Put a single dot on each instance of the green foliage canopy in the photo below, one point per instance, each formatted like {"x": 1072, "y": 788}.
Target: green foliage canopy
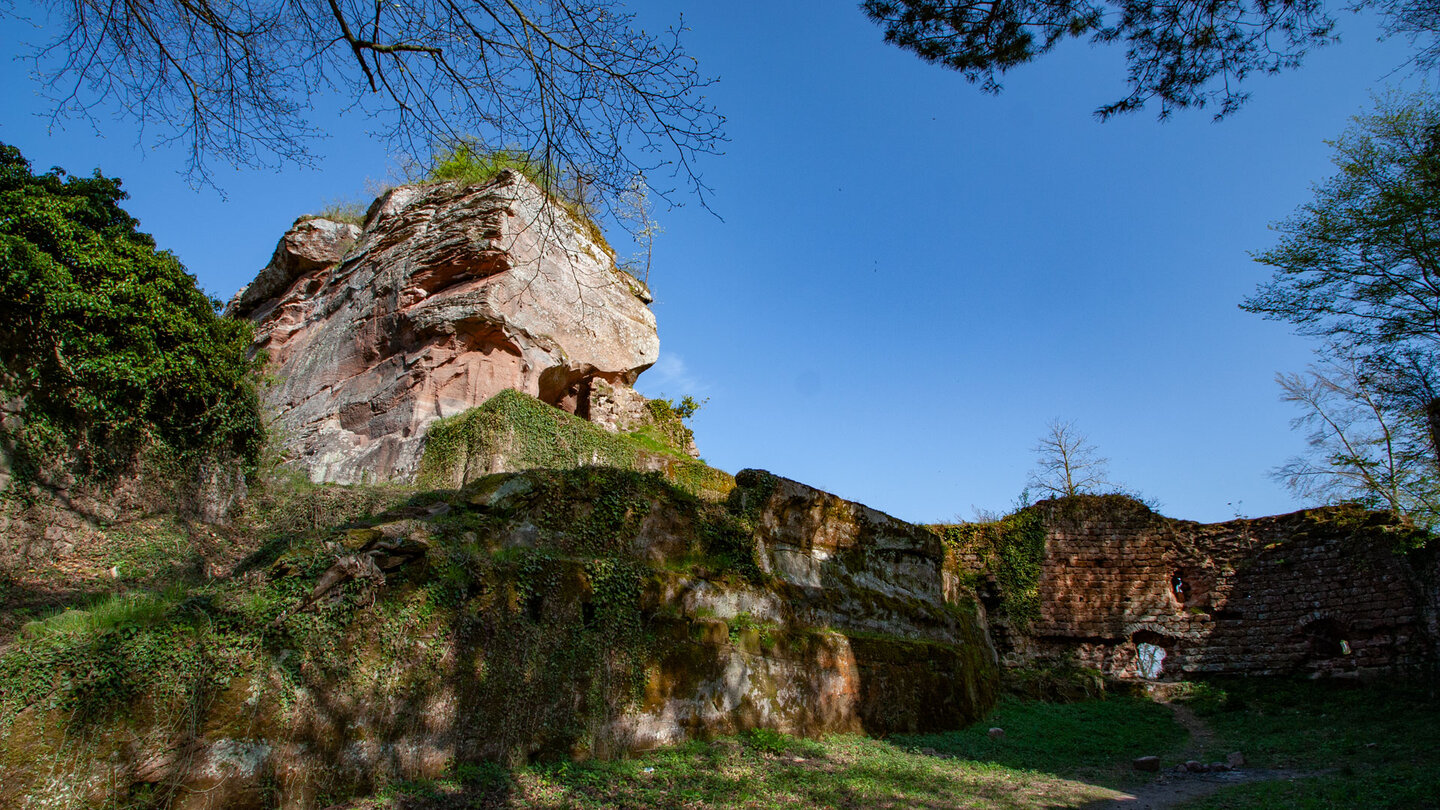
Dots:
{"x": 1360, "y": 266}
{"x": 1361, "y": 263}
{"x": 110, "y": 346}
{"x": 1182, "y": 53}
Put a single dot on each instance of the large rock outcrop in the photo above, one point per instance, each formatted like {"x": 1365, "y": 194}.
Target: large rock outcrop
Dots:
{"x": 447, "y": 295}
{"x": 545, "y": 614}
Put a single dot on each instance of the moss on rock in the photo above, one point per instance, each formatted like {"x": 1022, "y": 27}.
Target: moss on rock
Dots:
{"x": 513, "y": 431}
{"x": 542, "y": 615}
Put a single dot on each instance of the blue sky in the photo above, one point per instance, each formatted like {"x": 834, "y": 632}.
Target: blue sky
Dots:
{"x": 904, "y": 279}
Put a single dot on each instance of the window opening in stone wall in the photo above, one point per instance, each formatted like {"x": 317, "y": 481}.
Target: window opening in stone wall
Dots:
{"x": 1326, "y": 638}
{"x": 1190, "y": 589}
{"x": 1151, "y": 650}
{"x": 1179, "y": 587}
{"x": 1150, "y": 660}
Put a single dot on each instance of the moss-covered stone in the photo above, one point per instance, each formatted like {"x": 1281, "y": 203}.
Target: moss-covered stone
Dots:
{"x": 513, "y": 431}
{"x": 548, "y": 614}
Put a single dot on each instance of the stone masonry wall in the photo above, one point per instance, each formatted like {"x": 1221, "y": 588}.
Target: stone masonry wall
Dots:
{"x": 1320, "y": 592}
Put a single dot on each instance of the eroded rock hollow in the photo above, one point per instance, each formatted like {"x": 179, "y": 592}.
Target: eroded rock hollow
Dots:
{"x": 447, "y": 295}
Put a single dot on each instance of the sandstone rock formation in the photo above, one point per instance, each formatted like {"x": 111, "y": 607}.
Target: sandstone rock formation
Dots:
{"x": 546, "y": 614}
{"x": 447, "y": 295}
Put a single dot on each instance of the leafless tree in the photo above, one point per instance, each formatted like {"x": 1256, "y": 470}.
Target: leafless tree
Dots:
{"x": 1368, "y": 443}
{"x": 1067, "y": 463}
{"x": 571, "y": 82}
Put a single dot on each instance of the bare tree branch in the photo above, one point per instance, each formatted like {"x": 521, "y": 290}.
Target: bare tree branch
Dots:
{"x": 571, "y": 82}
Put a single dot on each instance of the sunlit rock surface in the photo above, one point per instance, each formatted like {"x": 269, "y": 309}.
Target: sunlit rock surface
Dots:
{"x": 447, "y": 295}
{"x": 589, "y": 612}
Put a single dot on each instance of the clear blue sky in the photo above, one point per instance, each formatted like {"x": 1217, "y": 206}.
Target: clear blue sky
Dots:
{"x": 907, "y": 278}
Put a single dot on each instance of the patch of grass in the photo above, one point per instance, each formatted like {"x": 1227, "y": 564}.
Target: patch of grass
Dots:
{"x": 1372, "y": 745}
{"x": 1093, "y": 740}
{"x": 768, "y": 769}
{"x": 110, "y": 612}
{"x": 471, "y": 164}
{"x": 351, "y": 212}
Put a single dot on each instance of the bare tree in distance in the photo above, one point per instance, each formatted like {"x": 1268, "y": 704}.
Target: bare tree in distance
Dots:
{"x": 1368, "y": 443}
{"x": 1067, "y": 463}
{"x": 573, "y": 83}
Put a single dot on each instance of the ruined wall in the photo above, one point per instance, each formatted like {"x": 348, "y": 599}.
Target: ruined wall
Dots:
{"x": 1316, "y": 592}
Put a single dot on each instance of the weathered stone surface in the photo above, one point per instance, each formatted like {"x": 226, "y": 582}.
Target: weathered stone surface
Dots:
{"x": 622, "y": 409}
{"x": 448, "y": 295}
{"x": 820, "y": 545}
{"x": 484, "y": 627}
{"x": 312, "y": 243}
{"x": 1138, "y": 595}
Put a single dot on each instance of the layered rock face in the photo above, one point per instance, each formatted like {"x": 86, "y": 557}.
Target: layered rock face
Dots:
{"x": 545, "y": 614}
{"x": 447, "y": 295}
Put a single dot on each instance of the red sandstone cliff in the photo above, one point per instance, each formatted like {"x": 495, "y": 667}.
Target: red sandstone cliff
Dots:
{"x": 447, "y": 295}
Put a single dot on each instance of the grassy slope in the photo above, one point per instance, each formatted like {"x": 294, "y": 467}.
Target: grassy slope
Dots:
{"x": 1376, "y": 745}
{"x": 150, "y": 554}
{"x": 1053, "y": 755}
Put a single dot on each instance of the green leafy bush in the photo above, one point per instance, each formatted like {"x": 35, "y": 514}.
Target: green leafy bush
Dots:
{"x": 529, "y": 434}
{"x": 468, "y": 162}
{"x": 1011, "y": 550}
{"x": 110, "y": 346}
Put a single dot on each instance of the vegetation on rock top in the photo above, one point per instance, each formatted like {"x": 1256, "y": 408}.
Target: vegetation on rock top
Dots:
{"x": 468, "y": 163}
{"x": 520, "y": 432}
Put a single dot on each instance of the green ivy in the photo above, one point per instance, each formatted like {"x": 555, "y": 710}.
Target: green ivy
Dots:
{"x": 110, "y": 345}
{"x": 1011, "y": 550}
{"x": 541, "y": 643}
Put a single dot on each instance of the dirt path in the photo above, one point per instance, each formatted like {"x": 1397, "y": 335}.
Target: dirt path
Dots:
{"x": 1172, "y": 788}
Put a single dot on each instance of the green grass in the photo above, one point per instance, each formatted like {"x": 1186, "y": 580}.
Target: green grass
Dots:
{"x": 471, "y": 164}
{"x": 1373, "y": 745}
{"x": 1093, "y": 740}
{"x": 108, "y": 613}
{"x": 1053, "y": 755}
{"x": 351, "y": 212}
{"x": 757, "y": 770}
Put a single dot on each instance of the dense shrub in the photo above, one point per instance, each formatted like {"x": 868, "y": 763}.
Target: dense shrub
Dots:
{"x": 110, "y": 348}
